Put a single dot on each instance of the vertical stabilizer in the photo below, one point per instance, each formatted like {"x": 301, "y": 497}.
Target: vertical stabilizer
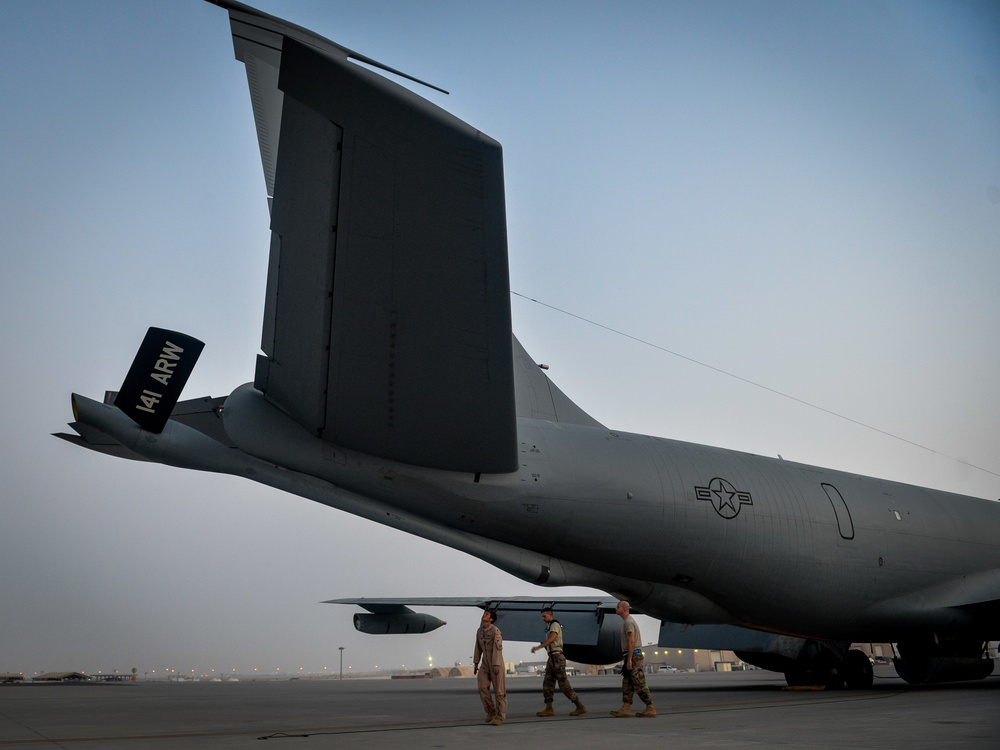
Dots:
{"x": 387, "y": 319}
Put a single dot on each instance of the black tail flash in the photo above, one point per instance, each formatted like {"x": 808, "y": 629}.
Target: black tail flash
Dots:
{"x": 157, "y": 376}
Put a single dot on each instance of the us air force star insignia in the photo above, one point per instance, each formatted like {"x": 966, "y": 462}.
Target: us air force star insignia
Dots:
{"x": 726, "y": 499}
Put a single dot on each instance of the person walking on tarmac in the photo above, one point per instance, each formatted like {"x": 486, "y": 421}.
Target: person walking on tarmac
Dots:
{"x": 555, "y": 667}
{"x": 633, "y": 669}
{"x": 489, "y": 648}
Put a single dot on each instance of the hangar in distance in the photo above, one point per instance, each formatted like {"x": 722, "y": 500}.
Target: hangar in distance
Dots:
{"x": 391, "y": 386}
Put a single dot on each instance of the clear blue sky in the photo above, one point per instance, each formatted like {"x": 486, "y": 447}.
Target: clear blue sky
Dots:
{"x": 805, "y": 194}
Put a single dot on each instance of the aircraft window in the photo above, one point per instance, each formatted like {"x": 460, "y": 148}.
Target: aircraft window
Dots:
{"x": 844, "y": 522}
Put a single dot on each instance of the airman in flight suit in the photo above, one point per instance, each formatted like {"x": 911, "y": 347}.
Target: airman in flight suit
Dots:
{"x": 489, "y": 669}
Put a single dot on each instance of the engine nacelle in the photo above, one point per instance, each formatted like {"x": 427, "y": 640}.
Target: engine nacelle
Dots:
{"x": 949, "y": 660}
{"x": 921, "y": 670}
{"x": 590, "y": 636}
{"x": 607, "y": 649}
{"x": 396, "y": 623}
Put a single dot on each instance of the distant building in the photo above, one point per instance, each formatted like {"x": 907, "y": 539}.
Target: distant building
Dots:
{"x": 709, "y": 660}
{"x": 114, "y": 677}
{"x": 61, "y": 677}
{"x": 9, "y": 677}
{"x": 456, "y": 671}
{"x": 660, "y": 659}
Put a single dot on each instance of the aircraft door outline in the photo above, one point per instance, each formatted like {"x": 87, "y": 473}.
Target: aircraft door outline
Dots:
{"x": 844, "y": 522}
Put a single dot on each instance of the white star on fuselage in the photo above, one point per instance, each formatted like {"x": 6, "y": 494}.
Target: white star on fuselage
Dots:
{"x": 724, "y": 501}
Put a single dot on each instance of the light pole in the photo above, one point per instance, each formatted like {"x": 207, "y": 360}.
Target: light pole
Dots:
{"x": 341, "y": 662}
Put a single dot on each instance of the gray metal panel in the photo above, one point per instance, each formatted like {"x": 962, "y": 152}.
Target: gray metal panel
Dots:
{"x": 391, "y": 311}
{"x": 729, "y": 637}
{"x": 205, "y": 415}
{"x": 303, "y": 221}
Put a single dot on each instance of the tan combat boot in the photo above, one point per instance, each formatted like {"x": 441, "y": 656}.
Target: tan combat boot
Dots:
{"x": 489, "y": 717}
{"x": 580, "y": 710}
{"x": 625, "y": 710}
{"x": 497, "y": 721}
{"x": 649, "y": 712}
{"x": 547, "y": 711}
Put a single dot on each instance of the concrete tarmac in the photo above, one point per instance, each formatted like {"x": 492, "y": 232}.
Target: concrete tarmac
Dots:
{"x": 708, "y": 710}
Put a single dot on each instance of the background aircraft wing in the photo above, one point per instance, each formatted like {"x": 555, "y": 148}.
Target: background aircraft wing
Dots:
{"x": 387, "y": 314}
{"x": 591, "y": 629}
{"x": 533, "y": 604}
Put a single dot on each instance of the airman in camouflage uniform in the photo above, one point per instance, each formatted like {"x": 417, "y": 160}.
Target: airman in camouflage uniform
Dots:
{"x": 633, "y": 669}
{"x": 555, "y": 667}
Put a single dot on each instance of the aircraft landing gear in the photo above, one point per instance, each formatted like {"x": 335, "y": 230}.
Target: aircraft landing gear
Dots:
{"x": 857, "y": 670}
{"x": 827, "y": 664}
{"x": 826, "y": 670}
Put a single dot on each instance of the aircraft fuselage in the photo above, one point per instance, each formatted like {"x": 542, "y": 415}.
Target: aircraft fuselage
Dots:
{"x": 680, "y": 528}
{"x": 690, "y": 533}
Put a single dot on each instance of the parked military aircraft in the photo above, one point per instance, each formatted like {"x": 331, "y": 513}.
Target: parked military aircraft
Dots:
{"x": 391, "y": 387}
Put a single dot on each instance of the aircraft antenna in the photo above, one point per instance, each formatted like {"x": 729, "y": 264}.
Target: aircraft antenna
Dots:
{"x": 755, "y": 384}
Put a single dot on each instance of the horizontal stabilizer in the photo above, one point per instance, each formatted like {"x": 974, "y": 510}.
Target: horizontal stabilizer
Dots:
{"x": 157, "y": 376}
{"x": 202, "y": 414}
{"x": 97, "y": 441}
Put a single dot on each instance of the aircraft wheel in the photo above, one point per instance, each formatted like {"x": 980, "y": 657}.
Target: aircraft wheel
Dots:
{"x": 829, "y": 671}
{"x": 857, "y": 670}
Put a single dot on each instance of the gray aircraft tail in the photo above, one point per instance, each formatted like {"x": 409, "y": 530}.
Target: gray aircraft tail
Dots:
{"x": 387, "y": 315}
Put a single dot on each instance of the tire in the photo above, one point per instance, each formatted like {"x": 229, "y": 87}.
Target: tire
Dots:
{"x": 857, "y": 670}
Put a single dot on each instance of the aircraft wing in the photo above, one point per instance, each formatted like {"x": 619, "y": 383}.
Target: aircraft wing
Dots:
{"x": 591, "y": 629}
{"x": 387, "y": 315}
{"x": 533, "y": 604}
